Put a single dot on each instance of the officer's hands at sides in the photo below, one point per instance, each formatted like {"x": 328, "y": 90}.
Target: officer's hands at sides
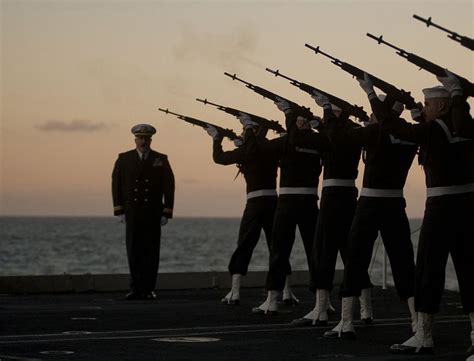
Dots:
{"x": 366, "y": 84}
{"x": 246, "y": 121}
{"x": 121, "y": 218}
{"x": 212, "y": 131}
{"x": 451, "y": 82}
{"x": 164, "y": 221}
{"x": 320, "y": 98}
{"x": 283, "y": 105}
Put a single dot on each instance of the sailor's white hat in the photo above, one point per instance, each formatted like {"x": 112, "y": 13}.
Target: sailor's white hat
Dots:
{"x": 438, "y": 91}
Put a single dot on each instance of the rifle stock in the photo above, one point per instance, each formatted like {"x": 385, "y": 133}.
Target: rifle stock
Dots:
{"x": 303, "y": 111}
{"x": 400, "y": 95}
{"x": 350, "y": 109}
{"x": 426, "y": 64}
{"x": 270, "y": 124}
{"x": 228, "y": 133}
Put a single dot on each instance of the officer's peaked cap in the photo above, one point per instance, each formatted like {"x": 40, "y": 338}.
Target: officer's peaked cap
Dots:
{"x": 143, "y": 130}
{"x": 436, "y": 92}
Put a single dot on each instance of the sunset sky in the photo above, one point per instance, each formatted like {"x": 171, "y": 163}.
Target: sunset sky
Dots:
{"x": 76, "y": 75}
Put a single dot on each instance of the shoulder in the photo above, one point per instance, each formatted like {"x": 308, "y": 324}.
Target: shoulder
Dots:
{"x": 156, "y": 154}
{"x": 127, "y": 155}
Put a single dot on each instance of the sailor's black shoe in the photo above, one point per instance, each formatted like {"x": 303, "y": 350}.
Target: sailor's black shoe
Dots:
{"x": 133, "y": 296}
{"x": 302, "y": 322}
{"x": 259, "y": 311}
{"x": 149, "y": 296}
{"x": 367, "y": 321}
{"x": 348, "y": 335}
{"x": 410, "y": 350}
{"x": 230, "y": 302}
{"x": 291, "y": 302}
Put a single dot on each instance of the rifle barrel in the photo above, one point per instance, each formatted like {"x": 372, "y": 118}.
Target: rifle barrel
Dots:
{"x": 380, "y": 40}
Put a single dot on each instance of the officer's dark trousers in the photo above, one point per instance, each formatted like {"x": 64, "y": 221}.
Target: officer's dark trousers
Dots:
{"x": 388, "y": 216}
{"x": 336, "y": 211}
{"x": 292, "y": 210}
{"x": 447, "y": 228}
{"x": 258, "y": 214}
{"x": 143, "y": 233}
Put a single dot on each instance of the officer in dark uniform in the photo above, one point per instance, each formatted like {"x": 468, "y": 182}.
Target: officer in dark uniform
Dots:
{"x": 381, "y": 207}
{"x": 297, "y": 202}
{"x": 143, "y": 196}
{"x": 337, "y": 207}
{"x": 447, "y": 154}
{"x": 260, "y": 172}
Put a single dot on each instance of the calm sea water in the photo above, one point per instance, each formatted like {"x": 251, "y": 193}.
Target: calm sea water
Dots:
{"x": 78, "y": 245}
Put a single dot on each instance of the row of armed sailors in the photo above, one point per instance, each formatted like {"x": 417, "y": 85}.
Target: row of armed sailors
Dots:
{"x": 444, "y": 141}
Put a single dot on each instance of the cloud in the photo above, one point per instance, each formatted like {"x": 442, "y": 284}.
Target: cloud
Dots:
{"x": 75, "y": 125}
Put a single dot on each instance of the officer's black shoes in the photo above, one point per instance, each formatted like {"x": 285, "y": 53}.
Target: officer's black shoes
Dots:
{"x": 410, "y": 350}
{"x": 150, "y": 296}
{"x": 259, "y": 311}
{"x": 133, "y": 295}
{"x": 302, "y": 322}
{"x": 367, "y": 321}
{"x": 345, "y": 335}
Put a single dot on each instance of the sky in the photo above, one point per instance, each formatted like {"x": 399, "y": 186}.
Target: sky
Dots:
{"x": 76, "y": 75}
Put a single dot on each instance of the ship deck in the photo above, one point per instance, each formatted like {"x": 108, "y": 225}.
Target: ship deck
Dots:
{"x": 193, "y": 325}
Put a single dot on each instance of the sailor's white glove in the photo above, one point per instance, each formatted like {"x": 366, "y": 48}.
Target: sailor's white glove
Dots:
{"x": 283, "y": 105}
{"x": 415, "y": 113}
{"x": 315, "y": 122}
{"x": 164, "y": 221}
{"x": 366, "y": 84}
{"x": 238, "y": 142}
{"x": 320, "y": 98}
{"x": 246, "y": 121}
{"x": 451, "y": 82}
{"x": 121, "y": 218}
{"x": 212, "y": 131}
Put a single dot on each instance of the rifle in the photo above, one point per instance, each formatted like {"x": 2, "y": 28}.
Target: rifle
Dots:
{"x": 303, "y": 111}
{"x": 426, "y": 64}
{"x": 269, "y": 124}
{"x": 400, "y": 95}
{"x": 229, "y": 133}
{"x": 463, "y": 40}
{"x": 350, "y": 109}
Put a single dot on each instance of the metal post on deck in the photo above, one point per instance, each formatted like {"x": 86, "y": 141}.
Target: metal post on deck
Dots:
{"x": 384, "y": 267}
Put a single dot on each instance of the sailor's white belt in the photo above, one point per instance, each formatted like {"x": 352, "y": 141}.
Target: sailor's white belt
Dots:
{"x": 443, "y": 191}
{"x": 381, "y": 193}
{"x": 261, "y": 193}
{"x": 333, "y": 182}
{"x": 298, "y": 190}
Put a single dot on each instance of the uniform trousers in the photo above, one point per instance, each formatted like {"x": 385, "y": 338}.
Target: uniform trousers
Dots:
{"x": 258, "y": 214}
{"x": 336, "y": 211}
{"x": 143, "y": 234}
{"x": 292, "y": 210}
{"x": 447, "y": 228}
{"x": 387, "y": 215}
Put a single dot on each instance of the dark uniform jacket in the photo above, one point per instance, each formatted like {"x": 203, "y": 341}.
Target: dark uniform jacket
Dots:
{"x": 147, "y": 184}
{"x": 387, "y": 159}
{"x": 299, "y": 166}
{"x": 447, "y": 145}
{"x": 341, "y": 159}
{"x": 258, "y": 168}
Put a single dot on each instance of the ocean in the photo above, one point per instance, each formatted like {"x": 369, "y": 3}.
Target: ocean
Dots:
{"x": 96, "y": 245}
